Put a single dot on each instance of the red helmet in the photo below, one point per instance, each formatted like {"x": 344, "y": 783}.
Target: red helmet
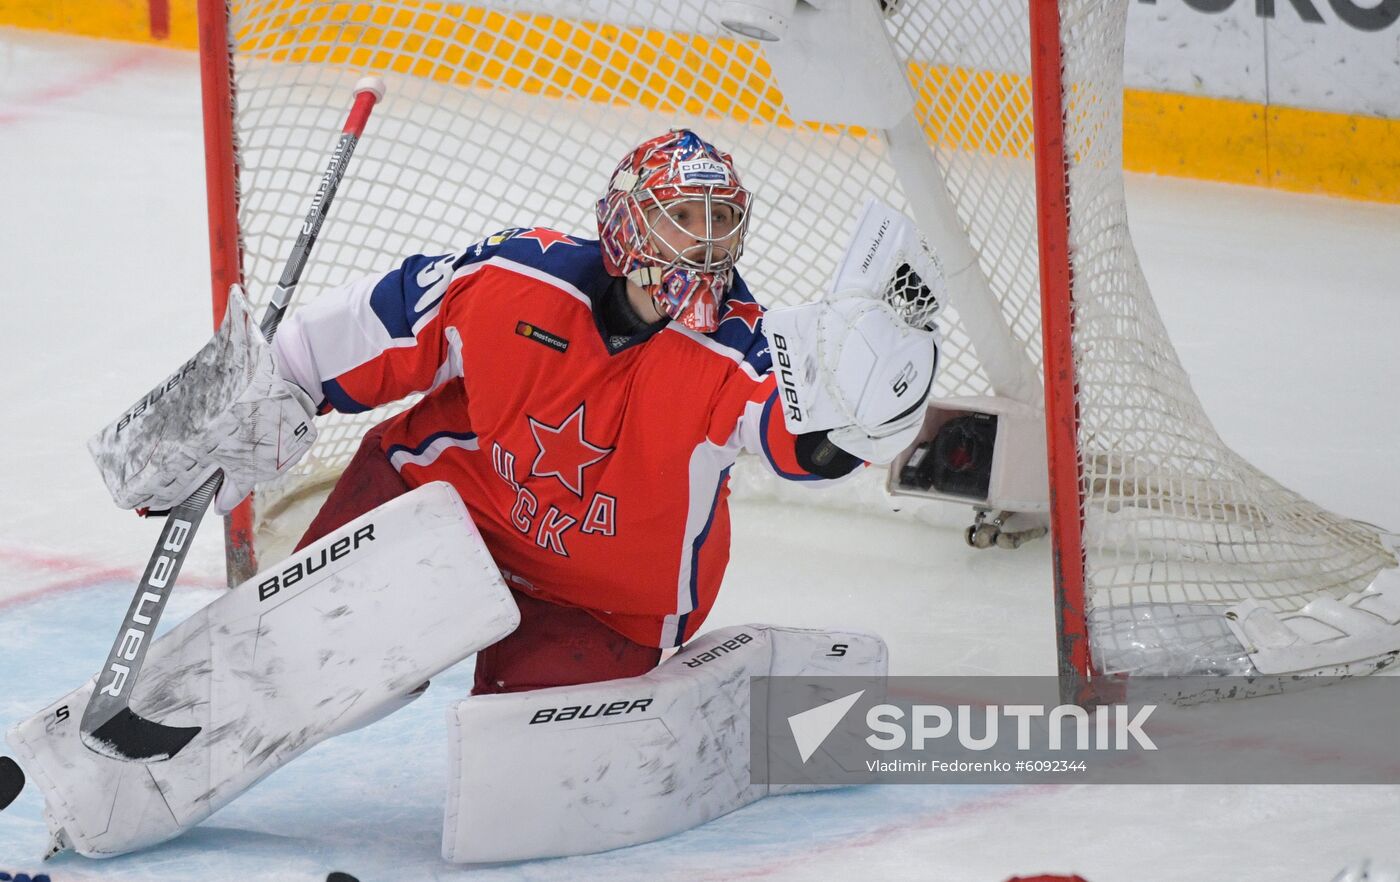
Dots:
{"x": 673, "y": 222}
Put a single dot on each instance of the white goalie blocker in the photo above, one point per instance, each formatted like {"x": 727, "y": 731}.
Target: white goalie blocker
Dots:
{"x": 335, "y": 637}
{"x": 582, "y": 769}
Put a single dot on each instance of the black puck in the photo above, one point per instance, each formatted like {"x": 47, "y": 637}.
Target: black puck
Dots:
{"x": 341, "y": 877}
{"x": 11, "y": 781}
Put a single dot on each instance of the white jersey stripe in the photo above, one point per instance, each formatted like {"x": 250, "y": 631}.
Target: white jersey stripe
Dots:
{"x": 707, "y": 465}
{"x": 336, "y": 352}
{"x": 670, "y": 627}
{"x": 400, "y": 458}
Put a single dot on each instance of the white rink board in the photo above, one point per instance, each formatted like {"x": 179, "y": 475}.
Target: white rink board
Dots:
{"x": 1342, "y": 63}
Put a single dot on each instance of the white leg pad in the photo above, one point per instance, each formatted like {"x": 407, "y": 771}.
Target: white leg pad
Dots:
{"x": 581, "y": 769}
{"x": 333, "y": 638}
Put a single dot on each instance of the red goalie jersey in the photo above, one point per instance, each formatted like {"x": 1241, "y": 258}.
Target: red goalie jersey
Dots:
{"x": 597, "y": 475}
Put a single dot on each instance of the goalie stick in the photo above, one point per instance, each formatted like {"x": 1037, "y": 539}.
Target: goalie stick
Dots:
{"x": 109, "y": 725}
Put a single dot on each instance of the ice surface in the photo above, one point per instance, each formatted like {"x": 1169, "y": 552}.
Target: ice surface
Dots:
{"x": 1285, "y": 310}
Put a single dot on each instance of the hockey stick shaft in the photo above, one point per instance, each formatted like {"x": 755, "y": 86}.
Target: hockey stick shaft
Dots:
{"x": 367, "y": 93}
{"x": 109, "y": 726}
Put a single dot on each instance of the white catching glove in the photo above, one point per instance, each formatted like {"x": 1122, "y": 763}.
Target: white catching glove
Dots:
{"x": 227, "y": 408}
{"x": 882, "y": 372}
{"x": 861, "y": 362}
{"x": 854, "y": 367}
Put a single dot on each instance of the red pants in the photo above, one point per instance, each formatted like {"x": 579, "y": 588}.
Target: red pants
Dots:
{"x": 554, "y": 645}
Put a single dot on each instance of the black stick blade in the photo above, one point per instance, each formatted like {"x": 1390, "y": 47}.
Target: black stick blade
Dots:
{"x": 11, "y": 781}
{"x": 133, "y": 738}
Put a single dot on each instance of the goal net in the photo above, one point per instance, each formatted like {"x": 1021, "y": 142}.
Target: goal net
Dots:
{"x": 502, "y": 114}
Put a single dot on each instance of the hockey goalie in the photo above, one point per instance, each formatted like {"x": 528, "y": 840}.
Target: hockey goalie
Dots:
{"x": 555, "y": 504}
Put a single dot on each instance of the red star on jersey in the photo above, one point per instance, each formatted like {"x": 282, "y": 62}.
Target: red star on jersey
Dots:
{"x": 546, "y": 238}
{"x": 748, "y": 313}
{"x": 564, "y": 453}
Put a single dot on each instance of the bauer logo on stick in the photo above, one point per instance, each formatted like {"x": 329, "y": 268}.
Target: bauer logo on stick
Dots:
{"x": 141, "y": 618}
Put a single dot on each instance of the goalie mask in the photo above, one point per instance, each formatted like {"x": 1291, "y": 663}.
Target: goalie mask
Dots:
{"x": 673, "y": 222}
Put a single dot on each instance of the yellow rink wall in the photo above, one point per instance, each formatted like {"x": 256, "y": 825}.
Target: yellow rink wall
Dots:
{"x": 1307, "y": 151}
{"x": 132, "y": 20}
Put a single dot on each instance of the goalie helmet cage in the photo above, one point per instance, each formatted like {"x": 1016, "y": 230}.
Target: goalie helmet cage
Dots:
{"x": 1171, "y": 552}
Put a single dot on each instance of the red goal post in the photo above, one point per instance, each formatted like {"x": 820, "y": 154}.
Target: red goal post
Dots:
{"x": 225, "y": 243}
{"x": 1056, "y": 298}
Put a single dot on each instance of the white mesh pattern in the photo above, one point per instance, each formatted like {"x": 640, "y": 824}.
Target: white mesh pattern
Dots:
{"x": 505, "y": 117}
{"x": 1173, "y": 517}
{"x": 973, "y": 97}
{"x": 912, "y": 299}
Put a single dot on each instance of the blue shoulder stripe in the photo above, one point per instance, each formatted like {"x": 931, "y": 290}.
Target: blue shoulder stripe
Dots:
{"x": 764, "y": 422}
{"x": 404, "y": 295}
{"x": 741, "y": 327}
{"x": 339, "y": 399}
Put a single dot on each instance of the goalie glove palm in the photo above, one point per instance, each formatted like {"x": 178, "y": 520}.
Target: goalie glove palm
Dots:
{"x": 854, "y": 367}
{"x": 860, "y": 364}
{"x": 880, "y": 370}
{"x": 227, "y": 408}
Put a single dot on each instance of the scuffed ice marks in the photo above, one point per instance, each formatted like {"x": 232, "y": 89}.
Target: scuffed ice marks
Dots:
{"x": 226, "y": 731}
{"x": 267, "y": 681}
{"x": 173, "y": 708}
{"x": 169, "y": 694}
{"x": 668, "y": 782}
{"x": 273, "y": 749}
{"x": 275, "y": 746}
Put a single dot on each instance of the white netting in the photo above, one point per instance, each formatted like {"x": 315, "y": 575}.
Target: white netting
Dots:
{"x": 515, "y": 115}
{"x": 1175, "y": 521}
